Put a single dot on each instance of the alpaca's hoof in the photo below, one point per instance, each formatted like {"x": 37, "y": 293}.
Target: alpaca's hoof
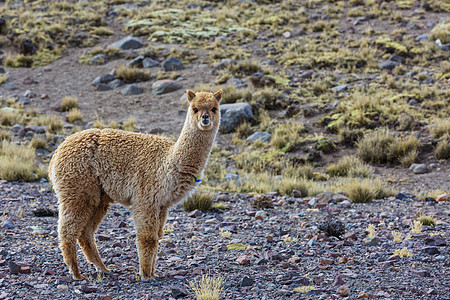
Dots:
{"x": 77, "y": 277}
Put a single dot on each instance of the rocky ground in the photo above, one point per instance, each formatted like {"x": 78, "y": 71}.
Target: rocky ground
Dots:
{"x": 261, "y": 253}
{"x": 320, "y": 59}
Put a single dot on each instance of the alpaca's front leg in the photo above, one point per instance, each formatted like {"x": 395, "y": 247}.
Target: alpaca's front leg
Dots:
{"x": 147, "y": 247}
{"x": 147, "y": 225}
{"x": 162, "y": 221}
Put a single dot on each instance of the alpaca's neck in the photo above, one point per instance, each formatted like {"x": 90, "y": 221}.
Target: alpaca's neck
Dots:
{"x": 192, "y": 149}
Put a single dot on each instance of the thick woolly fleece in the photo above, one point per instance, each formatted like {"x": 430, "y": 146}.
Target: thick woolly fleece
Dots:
{"x": 93, "y": 168}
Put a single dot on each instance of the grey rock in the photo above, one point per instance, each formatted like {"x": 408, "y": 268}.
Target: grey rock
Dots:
{"x": 231, "y": 176}
{"x": 8, "y": 224}
{"x": 224, "y": 63}
{"x": 268, "y": 62}
{"x": 421, "y": 273}
{"x": 396, "y": 58}
{"x": 259, "y": 136}
{"x": 307, "y": 74}
{"x": 29, "y": 94}
{"x": 247, "y": 281}
{"x": 165, "y": 86}
{"x": 179, "y": 292}
{"x": 132, "y": 89}
{"x": 388, "y": 65}
{"x": 17, "y": 128}
{"x": 233, "y": 115}
{"x": 103, "y": 79}
{"x": 137, "y": 62}
{"x": 423, "y": 37}
{"x": 345, "y": 204}
{"x": 24, "y": 100}
{"x": 88, "y": 289}
{"x": 9, "y": 86}
{"x": 103, "y": 87}
{"x": 431, "y": 250}
{"x": 413, "y": 102}
{"x": 340, "y": 88}
{"x": 2, "y": 70}
{"x": 238, "y": 83}
{"x": 13, "y": 267}
{"x": 172, "y": 64}
{"x": 128, "y": 43}
{"x": 221, "y": 39}
{"x": 195, "y": 214}
{"x": 99, "y": 59}
{"x": 372, "y": 241}
{"x": 149, "y": 63}
{"x": 115, "y": 83}
{"x": 296, "y": 194}
{"x": 419, "y": 168}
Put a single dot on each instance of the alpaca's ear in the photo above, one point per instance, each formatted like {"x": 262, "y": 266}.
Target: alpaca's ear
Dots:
{"x": 190, "y": 95}
{"x": 218, "y": 95}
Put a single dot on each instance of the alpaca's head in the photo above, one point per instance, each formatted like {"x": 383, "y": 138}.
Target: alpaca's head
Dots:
{"x": 204, "y": 112}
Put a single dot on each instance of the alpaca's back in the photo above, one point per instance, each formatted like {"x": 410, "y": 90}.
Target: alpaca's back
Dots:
{"x": 121, "y": 163}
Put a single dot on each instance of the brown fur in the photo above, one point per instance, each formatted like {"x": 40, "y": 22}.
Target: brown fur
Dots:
{"x": 93, "y": 168}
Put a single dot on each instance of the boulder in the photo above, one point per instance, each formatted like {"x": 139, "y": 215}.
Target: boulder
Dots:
{"x": 165, "y": 86}
{"x": 232, "y": 115}
{"x": 132, "y": 89}
{"x": 172, "y": 64}
{"x": 127, "y": 43}
{"x": 259, "y": 136}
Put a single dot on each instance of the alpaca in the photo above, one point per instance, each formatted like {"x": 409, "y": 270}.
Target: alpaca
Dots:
{"x": 93, "y": 168}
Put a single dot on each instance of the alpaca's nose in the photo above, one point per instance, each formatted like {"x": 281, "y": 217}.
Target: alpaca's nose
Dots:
{"x": 205, "y": 116}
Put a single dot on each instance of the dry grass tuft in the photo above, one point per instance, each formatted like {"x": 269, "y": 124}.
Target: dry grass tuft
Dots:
{"x": 443, "y": 149}
{"x": 68, "y": 103}
{"x": 207, "y": 288}
{"x": 286, "y": 136}
{"x": 18, "y": 162}
{"x": 427, "y": 220}
{"x": 131, "y": 75}
{"x": 74, "y": 115}
{"x": 350, "y": 166}
{"x": 199, "y": 200}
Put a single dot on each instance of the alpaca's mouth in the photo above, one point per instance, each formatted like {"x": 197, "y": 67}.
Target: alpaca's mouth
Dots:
{"x": 204, "y": 124}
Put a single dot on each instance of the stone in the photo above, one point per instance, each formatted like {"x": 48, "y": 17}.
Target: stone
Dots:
{"x": 435, "y": 240}
{"x": 224, "y": 63}
{"x": 149, "y": 63}
{"x": 115, "y": 83}
{"x": 62, "y": 287}
{"x": 260, "y": 136}
{"x": 338, "y": 281}
{"x": 287, "y": 34}
{"x": 259, "y": 80}
{"x": 443, "y": 197}
{"x": 343, "y": 291}
{"x": 243, "y": 260}
{"x": 296, "y": 194}
{"x": 231, "y": 176}
{"x": 339, "y": 88}
{"x": 128, "y": 43}
{"x": 8, "y": 224}
{"x": 132, "y": 89}
{"x": 247, "y": 281}
{"x": 103, "y": 87}
{"x": 29, "y": 94}
{"x": 2, "y": 70}
{"x": 165, "y": 86}
{"x": 423, "y": 37}
{"x": 99, "y": 59}
{"x": 388, "y": 65}
{"x": 419, "y": 168}
{"x": 431, "y": 250}
{"x": 396, "y": 58}
{"x": 9, "y": 86}
{"x": 421, "y": 273}
{"x": 238, "y": 83}
{"x": 172, "y": 64}
{"x": 195, "y": 214}
{"x": 137, "y": 62}
{"x": 88, "y": 288}
{"x": 13, "y": 268}
{"x": 372, "y": 241}
{"x": 232, "y": 115}
{"x": 179, "y": 292}
{"x": 307, "y": 74}
{"x": 17, "y": 128}
{"x": 260, "y": 215}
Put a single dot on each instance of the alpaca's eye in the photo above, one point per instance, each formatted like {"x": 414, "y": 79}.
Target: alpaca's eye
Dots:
{"x": 214, "y": 110}
{"x": 195, "y": 110}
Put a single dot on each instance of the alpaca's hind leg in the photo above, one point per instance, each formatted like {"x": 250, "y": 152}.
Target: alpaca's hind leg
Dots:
{"x": 72, "y": 220}
{"x": 162, "y": 221}
{"x": 147, "y": 235}
{"x": 87, "y": 241}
